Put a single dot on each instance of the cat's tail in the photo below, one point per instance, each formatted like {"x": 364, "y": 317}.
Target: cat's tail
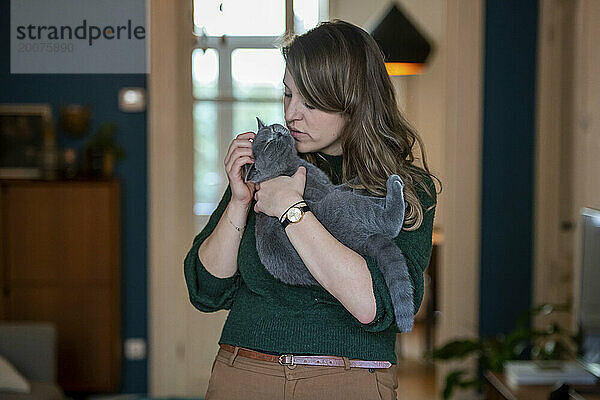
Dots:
{"x": 395, "y": 205}
{"x": 392, "y": 264}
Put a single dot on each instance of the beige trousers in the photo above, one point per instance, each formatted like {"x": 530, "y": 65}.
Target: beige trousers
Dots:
{"x": 234, "y": 377}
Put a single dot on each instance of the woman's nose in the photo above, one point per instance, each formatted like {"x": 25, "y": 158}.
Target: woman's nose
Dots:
{"x": 292, "y": 111}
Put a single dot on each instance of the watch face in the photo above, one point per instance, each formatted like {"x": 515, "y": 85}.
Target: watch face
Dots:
{"x": 294, "y": 214}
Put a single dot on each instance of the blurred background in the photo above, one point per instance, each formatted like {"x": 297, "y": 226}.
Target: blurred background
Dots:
{"x": 111, "y": 163}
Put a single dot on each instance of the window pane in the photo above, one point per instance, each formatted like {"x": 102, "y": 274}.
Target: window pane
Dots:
{"x": 239, "y": 17}
{"x": 209, "y": 177}
{"x": 207, "y": 181}
{"x": 257, "y": 73}
{"x": 244, "y": 115}
{"x": 205, "y": 73}
{"x": 306, "y": 15}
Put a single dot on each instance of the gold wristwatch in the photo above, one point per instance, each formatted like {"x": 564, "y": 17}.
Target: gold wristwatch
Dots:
{"x": 294, "y": 214}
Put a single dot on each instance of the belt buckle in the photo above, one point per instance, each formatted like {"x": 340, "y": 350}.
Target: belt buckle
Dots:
{"x": 282, "y": 362}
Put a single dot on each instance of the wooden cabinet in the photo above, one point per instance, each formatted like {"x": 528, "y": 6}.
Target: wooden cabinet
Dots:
{"x": 60, "y": 257}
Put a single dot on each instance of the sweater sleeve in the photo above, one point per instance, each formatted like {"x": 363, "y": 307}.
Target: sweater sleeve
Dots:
{"x": 207, "y": 292}
{"x": 416, "y": 246}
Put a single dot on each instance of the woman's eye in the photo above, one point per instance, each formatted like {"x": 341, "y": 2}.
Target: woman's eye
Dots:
{"x": 289, "y": 95}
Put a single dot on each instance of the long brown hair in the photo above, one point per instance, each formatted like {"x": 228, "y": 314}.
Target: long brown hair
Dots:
{"x": 338, "y": 67}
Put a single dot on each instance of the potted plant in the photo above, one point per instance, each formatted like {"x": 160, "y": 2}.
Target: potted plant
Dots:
{"x": 102, "y": 151}
{"x": 552, "y": 343}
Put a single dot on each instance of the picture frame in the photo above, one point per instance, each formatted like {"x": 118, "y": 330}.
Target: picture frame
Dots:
{"x": 26, "y": 133}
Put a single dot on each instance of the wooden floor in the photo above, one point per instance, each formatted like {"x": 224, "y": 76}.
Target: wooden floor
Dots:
{"x": 416, "y": 377}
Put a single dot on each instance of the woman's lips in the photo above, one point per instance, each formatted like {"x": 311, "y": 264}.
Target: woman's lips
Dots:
{"x": 296, "y": 133}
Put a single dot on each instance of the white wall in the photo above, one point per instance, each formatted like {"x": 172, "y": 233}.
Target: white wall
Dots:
{"x": 586, "y": 124}
{"x": 459, "y": 269}
{"x": 171, "y": 229}
{"x": 567, "y": 147}
{"x": 586, "y": 117}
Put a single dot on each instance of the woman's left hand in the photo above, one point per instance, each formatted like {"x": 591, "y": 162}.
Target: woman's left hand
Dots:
{"x": 275, "y": 196}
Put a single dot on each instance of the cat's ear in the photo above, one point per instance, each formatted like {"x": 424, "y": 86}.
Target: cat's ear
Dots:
{"x": 260, "y": 123}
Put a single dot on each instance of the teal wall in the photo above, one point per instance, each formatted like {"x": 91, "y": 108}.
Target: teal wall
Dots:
{"x": 101, "y": 91}
{"x": 508, "y": 163}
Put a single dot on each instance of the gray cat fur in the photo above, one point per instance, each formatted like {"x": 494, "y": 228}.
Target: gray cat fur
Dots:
{"x": 365, "y": 224}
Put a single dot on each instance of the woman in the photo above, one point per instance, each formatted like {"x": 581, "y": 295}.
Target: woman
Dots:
{"x": 341, "y": 109}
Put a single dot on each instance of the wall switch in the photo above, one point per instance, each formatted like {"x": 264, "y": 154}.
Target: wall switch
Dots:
{"x": 135, "y": 349}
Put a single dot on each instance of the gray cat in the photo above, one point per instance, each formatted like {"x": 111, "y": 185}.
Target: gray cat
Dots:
{"x": 364, "y": 223}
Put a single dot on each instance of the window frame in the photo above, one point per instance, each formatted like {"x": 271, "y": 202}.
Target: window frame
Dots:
{"x": 225, "y": 45}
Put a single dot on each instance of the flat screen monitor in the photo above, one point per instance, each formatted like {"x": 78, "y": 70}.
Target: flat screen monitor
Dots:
{"x": 587, "y": 289}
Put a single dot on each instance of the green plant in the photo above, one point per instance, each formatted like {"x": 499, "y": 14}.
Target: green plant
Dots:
{"x": 552, "y": 343}
{"x": 103, "y": 141}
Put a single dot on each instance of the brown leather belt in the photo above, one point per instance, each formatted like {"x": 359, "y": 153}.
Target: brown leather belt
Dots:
{"x": 288, "y": 359}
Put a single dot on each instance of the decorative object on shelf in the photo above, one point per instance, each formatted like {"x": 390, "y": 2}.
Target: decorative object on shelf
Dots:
{"x": 552, "y": 343}
{"x": 75, "y": 119}
{"x": 404, "y": 46}
{"x": 102, "y": 152}
{"x": 69, "y": 163}
{"x": 27, "y": 141}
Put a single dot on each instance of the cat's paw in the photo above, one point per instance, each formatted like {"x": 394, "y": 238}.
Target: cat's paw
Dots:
{"x": 395, "y": 180}
{"x": 395, "y": 187}
{"x": 395, "y": 190}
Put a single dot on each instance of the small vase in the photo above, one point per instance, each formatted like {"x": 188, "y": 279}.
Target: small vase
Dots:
{"x": 108, "y": 165}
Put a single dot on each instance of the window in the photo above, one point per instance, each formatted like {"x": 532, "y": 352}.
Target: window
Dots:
{"x": 239, "y": 17}
{"x": 237, "y": 75}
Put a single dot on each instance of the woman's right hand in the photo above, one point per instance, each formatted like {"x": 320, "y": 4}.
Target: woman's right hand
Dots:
{"x": 239, "y": 154}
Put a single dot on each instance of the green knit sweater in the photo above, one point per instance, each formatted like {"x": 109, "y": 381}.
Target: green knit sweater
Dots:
{"x": 268, "y": 315}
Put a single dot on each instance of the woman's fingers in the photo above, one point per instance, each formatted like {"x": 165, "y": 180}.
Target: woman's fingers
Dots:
{"x": 246, "y": 135}
{"x": 235, "y": 155}
{"x": 241, "y": 140}
{"x": 239, "y": 154}
{"x": 235, "y": 168}
{"x": 240, "y": 190}
{"x": 236, "y": 151}
{"x": 300, "y": 171}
